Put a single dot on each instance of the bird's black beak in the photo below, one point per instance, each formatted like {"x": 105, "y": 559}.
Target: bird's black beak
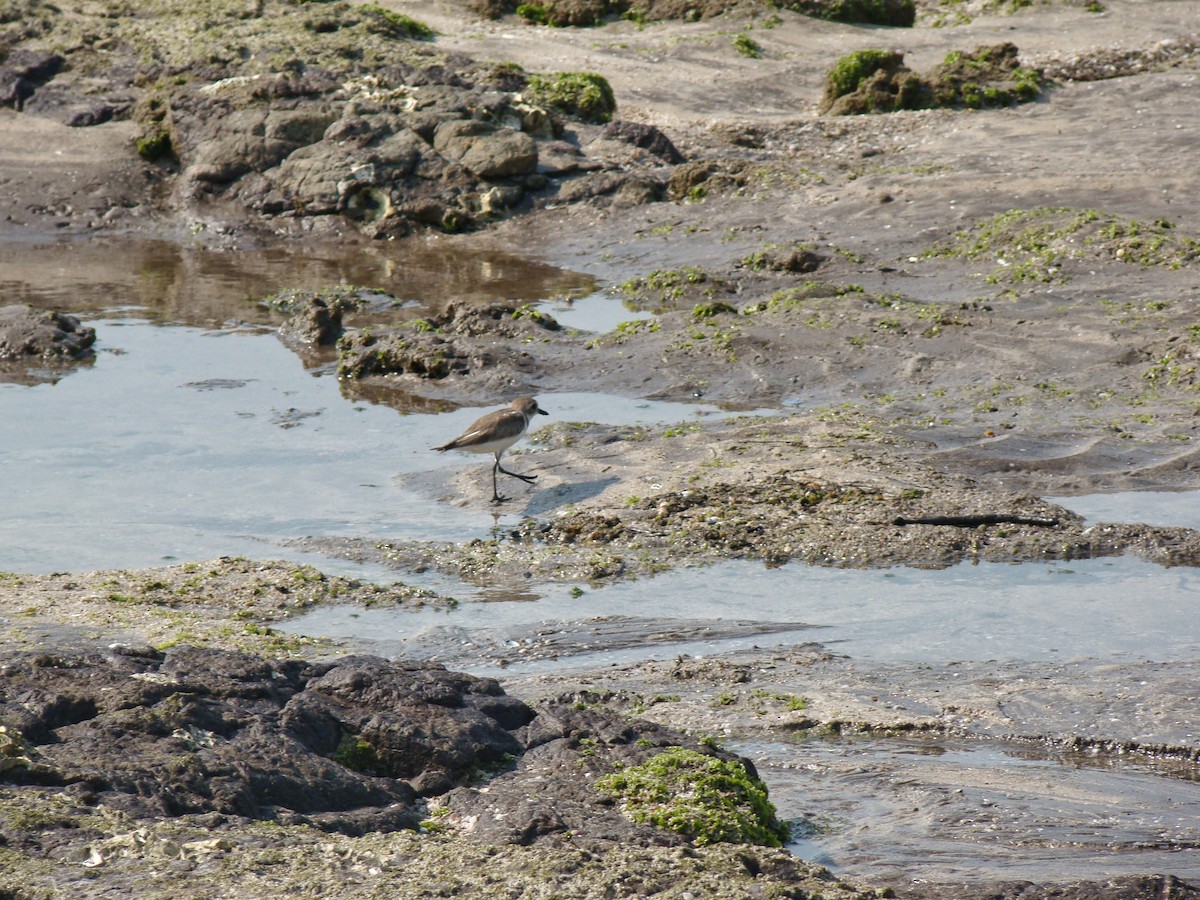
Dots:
{"x": 542, "y": 412}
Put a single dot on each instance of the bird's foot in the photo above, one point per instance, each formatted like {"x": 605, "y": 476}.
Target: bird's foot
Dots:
{"x": 498, "y": 499}
{"x": 528, "y": 479}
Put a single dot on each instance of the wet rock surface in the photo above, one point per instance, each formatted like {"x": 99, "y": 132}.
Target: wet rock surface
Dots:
{"x": 30, "y": 334}
{"x": 348, "y": 746}
{"x": 37, "y": 346}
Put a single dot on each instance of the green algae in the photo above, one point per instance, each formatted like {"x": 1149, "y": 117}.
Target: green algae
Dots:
{"x": 357, "y": 754}
{"x": 583, "y": 94}
{"x": 1032, "y": 245}
{"x": 666, "y": 288}
{"x": 854, "y": 68}
{"x": 710, "y": 800}
{"x": 874, "y": 80}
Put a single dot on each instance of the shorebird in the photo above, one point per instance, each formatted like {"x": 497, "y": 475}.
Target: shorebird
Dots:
{"x": 495, "y": 433}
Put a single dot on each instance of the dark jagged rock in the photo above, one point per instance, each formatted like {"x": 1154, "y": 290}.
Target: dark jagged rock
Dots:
{"x": 350, "y": 746}
{"x": 646, "y": 137}
{"x": 23, "y": 72}
{"x": 568, "y": 746}
{"x": 347, "y": 746}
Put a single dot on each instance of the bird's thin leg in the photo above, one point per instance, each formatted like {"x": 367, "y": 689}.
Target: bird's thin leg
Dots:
{"x": 528, "y": 479}
{"x": 496, "y": 498}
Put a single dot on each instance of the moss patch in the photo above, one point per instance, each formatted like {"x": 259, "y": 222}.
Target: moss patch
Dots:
{"x": 708, "y": 799}
{"x": 1032, "y": 245}
{"x": 584, "y": 94}
{"x": 869, "y": 81}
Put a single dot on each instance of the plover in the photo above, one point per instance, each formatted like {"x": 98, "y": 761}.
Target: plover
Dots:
{"x": 495, "y": 433}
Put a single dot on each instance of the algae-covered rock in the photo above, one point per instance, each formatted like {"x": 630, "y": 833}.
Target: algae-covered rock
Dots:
{"x": 991, "y": 76}
{"x": 897, "y": 13}
{"x": 709, "y": 800}
{"x": 588, "y": 766}
{"x": 365, "y": 353}
{"x": 870, "y": 81}
{"x": 583, "y": 94}
{"x": 317, "y": 323}
{"x": 560, "y": 13}
{"x": 585, "y": 13}
{"x": 457, "y": 341}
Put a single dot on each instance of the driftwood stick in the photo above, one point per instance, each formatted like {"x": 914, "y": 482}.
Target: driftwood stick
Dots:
{"x": 973, "y": 521}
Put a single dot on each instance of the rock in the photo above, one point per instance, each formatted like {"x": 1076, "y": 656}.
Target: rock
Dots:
{"x": 318, "y": 323}
{"x": 487, "y": 151}
{"x": 23, "y": 72}
{"x": 989, "y": 76}
{"x": 646, "y": 137}
{"x": 871, "y": 81}
{"x": 892, "y": 13}
{"x": 93, "y": 114}
{"x": 552, "y": 788}
{"x": 491, "y": 9}
{"x": 254, "y": 140}
{"x": 561, "y": 13}
{"x": 346, "y": 746}
{"x": 362, "y": 354}
{"x": 878, "y": 81}
{"x": 799, "y": 261}
{"x": 491, "y": 320}
{"x": 331, "y": 176}
{"x": 28, "y": 333}
{"x": 707, "y": 174}
{"x": 619, "y": 189}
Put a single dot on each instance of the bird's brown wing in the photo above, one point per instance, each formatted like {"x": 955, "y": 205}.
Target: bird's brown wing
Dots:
{"x": 501, "y": 425}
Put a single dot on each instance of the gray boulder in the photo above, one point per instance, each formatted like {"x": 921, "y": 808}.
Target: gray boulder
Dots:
{"x": 487, "y": 151}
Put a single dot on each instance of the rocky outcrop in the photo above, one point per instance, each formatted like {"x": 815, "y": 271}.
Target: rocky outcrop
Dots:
{"x": 870, "y": 81}
{"x": 318, "y": 323}
{"x": 346, "y": 746}
{"x": 23, "y": 72}
{"x": 359, "y": 120}
{"x": 458, "y": 341}
{"x": 351, "y": 746}
{"x": 35, "y": 336}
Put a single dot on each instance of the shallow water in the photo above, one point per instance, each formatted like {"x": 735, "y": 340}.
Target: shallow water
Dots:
{"x": 989, "y": 611}
{"x": 1163, "y": 508}
{"x": 941, "y": 810}
{"x": 183, "y": 444}
{"x": 935, "y": 809}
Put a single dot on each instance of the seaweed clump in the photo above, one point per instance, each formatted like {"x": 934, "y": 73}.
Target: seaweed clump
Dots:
{"x": 707, "y": 799}
{"x": 583, "y": 94}
{"x": 869, "y": 81}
